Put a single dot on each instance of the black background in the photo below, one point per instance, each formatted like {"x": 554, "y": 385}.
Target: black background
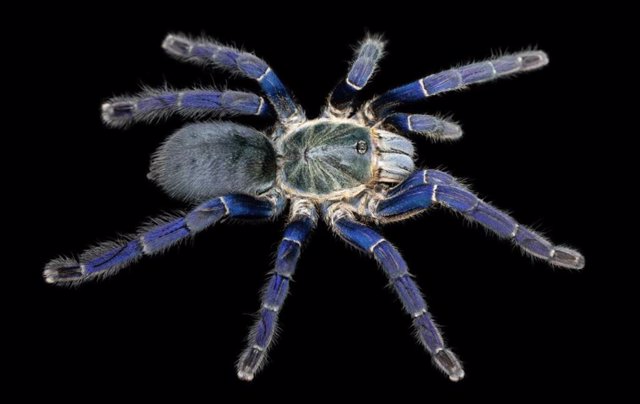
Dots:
{"x": 173, "y": 325}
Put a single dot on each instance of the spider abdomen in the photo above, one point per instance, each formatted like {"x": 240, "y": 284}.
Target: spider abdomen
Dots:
{"x": 204, "y": 160}
{"x": 324, "y": 158}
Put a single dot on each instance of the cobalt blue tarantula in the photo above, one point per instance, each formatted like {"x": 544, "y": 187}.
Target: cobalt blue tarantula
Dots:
{"x": 352, "y": 166}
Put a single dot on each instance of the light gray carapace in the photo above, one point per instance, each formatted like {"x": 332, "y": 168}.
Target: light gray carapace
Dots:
{"x": 352, "y": 166}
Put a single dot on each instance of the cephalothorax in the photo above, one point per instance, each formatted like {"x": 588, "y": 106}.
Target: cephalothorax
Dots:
{"x": 329, "y": 159}
{"x": 352, "y": 166}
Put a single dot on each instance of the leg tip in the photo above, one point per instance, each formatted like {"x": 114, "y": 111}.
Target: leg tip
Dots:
{"x": 106, "y": 110}
{"x": 62, "y": 270}
{"x": 567, "y": 258}
{"x": 50, "y": 276}
{"x": 245, "y": 375}
{"x": 176, "y": 46}
{"x": 534, "y": 60}
{"x": 250, "y": 362}
{"x": 459, "y": 375}
{"x": 372, "y": 47}
{"x": 446, "y": 361}
{"x": 118, "y": 112}
{"x": 451, "y": 131}
{"x": 168, "y": 41}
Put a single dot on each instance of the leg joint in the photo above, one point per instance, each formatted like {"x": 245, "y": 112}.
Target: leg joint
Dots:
{"x": 271, "y": 307}
{"x": 376, "y": 244}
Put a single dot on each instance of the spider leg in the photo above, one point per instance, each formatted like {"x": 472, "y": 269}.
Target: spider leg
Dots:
{"x": 236, "y": 61}
{"x": 369, "y": 52}
{"x": 415, "y": 198}
{"x": 455, "y": 79}
{"x": 394, "y": 266}
{"x": 152, "y": 104}
{"x": 302, "y": 221}
{"x": 428, "y": 176}
{"x": 435, "y": 128}
{"x": 108, "y": 258}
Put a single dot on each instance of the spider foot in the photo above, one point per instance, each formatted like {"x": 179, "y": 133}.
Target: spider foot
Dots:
{"x": 250, "y": 362}
{"x": 448, "y": 363}
{"x": 566, "y": 257}
{"x": 533, "y": 60}
{"x": 177, "y": 46}
{"x": 118, "y": 111}
{"x": 245, "y": 375}
{"x": 62, "y": 270}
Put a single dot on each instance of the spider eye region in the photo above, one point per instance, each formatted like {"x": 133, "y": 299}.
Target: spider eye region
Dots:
{"x": 325, "y": 158}
{"x": 362, "y": 147}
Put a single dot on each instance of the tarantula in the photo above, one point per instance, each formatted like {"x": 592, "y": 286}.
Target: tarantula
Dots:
{"x": 352, "y": 166}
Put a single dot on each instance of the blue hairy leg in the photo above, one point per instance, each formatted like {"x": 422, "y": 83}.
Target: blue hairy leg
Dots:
{"x": 360, "y": 71}
{"x": 274, "y": 294}
{"x": 428, "y": 176}
{"x": 412, "y": 198}
{"x": 394, "y": 266}
{"x": 455, "y": 79}
{"x": 154, "y": 104}
{"x": 107, "y": 258}
{"x": 427, "y": 125}
{"x": 236, "y": 61}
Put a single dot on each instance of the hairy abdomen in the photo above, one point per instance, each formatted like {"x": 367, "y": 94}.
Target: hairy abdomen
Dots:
{"x": 204, "y": 160}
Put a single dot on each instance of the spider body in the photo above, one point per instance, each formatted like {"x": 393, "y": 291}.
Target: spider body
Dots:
{"x": 204, "y": 160}
{"x": 323, "y": 159}
{"x": 328, "y": 159}
{"x": 353, "y": 167}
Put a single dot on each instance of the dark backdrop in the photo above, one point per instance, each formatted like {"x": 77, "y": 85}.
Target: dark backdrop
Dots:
{"x": 173, "y": 325}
